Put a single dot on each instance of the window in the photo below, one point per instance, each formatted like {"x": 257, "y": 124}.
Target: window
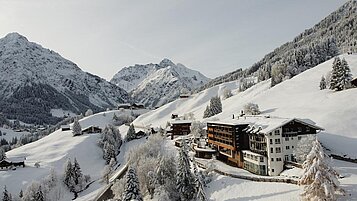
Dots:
{"x": 261, "y": 159}
{"x": 278, "y": 150}
{"x": 286, "y": 157}
{"x": 292, "y": 138}
{"x": 272, "y": 170}
{"x": 277, "y": 132}
{"x": 270, "y": 134}
{"x": 299, "y": 138}
{"x": 287, "y": 147}
{"x": 287, "y": 139}
{"x": 277, "y": 141}
{"x": 272, "y": 159}
{"x": 292, "y": 147}
{"x": 278, "y": 159}
{"x": 271, "y": 141}
{"x": 271, "y": 150}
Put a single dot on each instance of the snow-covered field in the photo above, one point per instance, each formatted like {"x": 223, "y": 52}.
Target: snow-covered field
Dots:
{"x": 11, "y": 133}
{"x": 298, "y": 97}
{"x": 53, "y": 150}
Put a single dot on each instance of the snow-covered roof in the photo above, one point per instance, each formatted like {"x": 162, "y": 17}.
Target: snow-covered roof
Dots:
{"x": 266, "y": 124}
{"x": 181, "y": 122}
{"x": 90, "y": 127}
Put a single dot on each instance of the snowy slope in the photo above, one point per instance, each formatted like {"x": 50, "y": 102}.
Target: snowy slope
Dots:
{"x": 53, "y": 150}
{"x": 35, "y": 80}
{"x": 298, "y": 97}
{"x": 157, "y": 84}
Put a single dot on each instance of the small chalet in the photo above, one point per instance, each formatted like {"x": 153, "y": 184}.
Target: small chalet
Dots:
{"x": 180, "y": 127}
{"x": 91, "y": 129}
{"x": 354, "y": 82}
{"x": 124, "y": 106}
{"x": 174, "y": 116}
{"x": 6, "y": 164}
{"x": 65, "y": 128}
{"x": 136, "y": 106}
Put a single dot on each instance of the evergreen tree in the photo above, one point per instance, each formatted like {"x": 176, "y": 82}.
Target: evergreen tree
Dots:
{"x": 199, "y": 184}
{"x": 184, "y": 178}
{"x": 320, "y": 180}
{"x": 76, "y": 128}
{"x": 207, "y": 112}
{"x": 2, "y": 154}
{"x": 336, "y": 74}
{"x": 131, "y": 134}
{"x": 323, "y": 83}
{"x": 39, "y": 194}
{"x": 68, "y": 179}
{"x": 132, "y": 190}
{"x": 21, "y": 194}
{"x": 346, "y": 74}
{"x": 77, "y": 173}
{"x": 6, "y": 196}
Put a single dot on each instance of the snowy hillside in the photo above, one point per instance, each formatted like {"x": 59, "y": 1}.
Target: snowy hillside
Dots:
{"x": 153, "y": 84}
{"x": 35, "y": 80}
{"x": 298, "y": 97}
{"x": 53, "y": 150}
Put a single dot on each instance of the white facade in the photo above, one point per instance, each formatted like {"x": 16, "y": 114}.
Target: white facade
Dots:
{"x": 275, "y": 152}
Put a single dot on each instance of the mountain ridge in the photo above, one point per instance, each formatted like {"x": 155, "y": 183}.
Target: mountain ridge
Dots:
{"x": 45, "y": 73}
{"x": 153, "y": 84}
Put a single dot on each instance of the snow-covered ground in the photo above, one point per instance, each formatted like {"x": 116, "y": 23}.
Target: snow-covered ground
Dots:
{"x": 298, "y": 97}
{"x": 8, "y": 134}
{"x": 53, "y": 150}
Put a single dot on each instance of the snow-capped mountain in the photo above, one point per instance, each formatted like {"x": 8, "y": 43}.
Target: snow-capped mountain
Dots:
{"x": 34, "y": 80}
{"x": 157, "y": 84}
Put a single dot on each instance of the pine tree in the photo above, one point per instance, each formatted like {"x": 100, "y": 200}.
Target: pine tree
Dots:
{"x": 21, "y": 194}
{"x": 2, "y": 154}
{"x": 199, "y": 185}
{"x": 323, "y": 83}
{"x": 6, "y": 195}
{"x": 68, "y": 179}
{"x": 184, "y": 178}
{"x": 320, "y": 180}
{"x": 336, "y": 75}
{"x": 77, "y": 172}
{"x": 39, "y": 194}
{"x": 207, "y": 112}
{"x": 346, "y": 74}
{"x": 131, "y": 134}
{"x": 76, "y": 128}
{"x": 132, "y": 190}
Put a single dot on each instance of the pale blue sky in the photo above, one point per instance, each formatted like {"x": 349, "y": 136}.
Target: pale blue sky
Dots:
{"x": 212, "y": 36}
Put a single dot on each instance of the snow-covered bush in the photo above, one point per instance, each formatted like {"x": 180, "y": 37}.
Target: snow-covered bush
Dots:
{"x": 227, "y": 93}
{"x": 320, "y": 180}
{"x": 108, "y": 170}
{"x": 303, "y": 148}
{"x": 110, "y": 142}
{"x": 37, "y": 164}
{"x": 251, "y": 108}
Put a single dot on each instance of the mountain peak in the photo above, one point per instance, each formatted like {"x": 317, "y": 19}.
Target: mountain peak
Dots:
{"x": 14, "y": 36}
{"x": 166, "y": 62}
